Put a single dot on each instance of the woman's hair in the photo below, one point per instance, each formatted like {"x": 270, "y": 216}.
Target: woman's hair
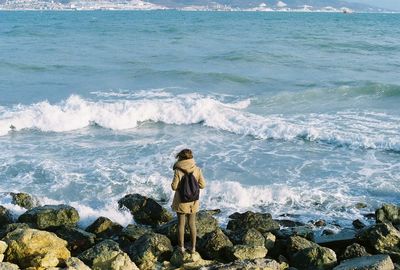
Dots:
{"x": 184, "y": 154}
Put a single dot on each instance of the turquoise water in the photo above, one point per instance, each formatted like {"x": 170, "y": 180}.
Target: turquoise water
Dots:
{"x": 288, "y": 113}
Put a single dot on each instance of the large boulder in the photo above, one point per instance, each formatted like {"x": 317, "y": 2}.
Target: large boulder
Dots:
{"x": 145, "y": 210}
{"x": 78, "y": 240}
{"x": 149, "y": 249}
{"x": 337, "y": 241}
{"x": 205, "y": 223}
{"x": 215, "y": 245}
{"x": 24, "y": 200}
{"x": 388, "y": 213}
{"x": 248, "y": 252}
{"x": 382, "y": 238}
{"x": 376, "y": 262}
{"x": 5, "y": 216}
{"x": 8, "y": 266}
{"x": 107, "y": 255}
{"x": 48, "y": 216}
{"x": 188, "y": 261}
{"x": 104, "y": 227}
{"x": 248, "y": 220}
{"x": 304, "y": 254}
{"x": 30, "y": 247}
{"x": 246, "y": 237}
{"x": 353, "y": 251}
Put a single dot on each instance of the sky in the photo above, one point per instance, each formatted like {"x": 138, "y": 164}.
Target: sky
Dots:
{"x": 390, "y": 4}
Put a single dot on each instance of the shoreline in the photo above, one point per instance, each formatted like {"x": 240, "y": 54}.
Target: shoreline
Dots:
{"x": 250, "y": 239}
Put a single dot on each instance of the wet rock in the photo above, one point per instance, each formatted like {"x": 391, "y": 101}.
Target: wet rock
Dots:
{"x": 24, "y": 200}
{"x": 320, "y": 223}
{"x": 338, "y": 240}
{"x": 388, "y": 213}
{"x": 305, "y": 254}
{"x": 78, "y": 240}
{"x": 133, "y": 232}
{"x": 305, "y": 231}
{"x": 270, "y": 239}
{"x": 289, "y": 223}
{"x": 188, "y": 261}
{"x": 382, "y": 238}
{"x": 257, "y": 264}
{"x": 103, "y": 227}
{"x": 247, "y": 252}
{"x": 376, "y": 262}
{"x": 205, "y": 223}
{"x": 358, "y": 224}
{"x": 49, "y": 216}
{"x": 145, "y": 210}
{"x": 149, "y": 249}
{"x": 8, "y": 266}
{"x": 74, "y": 263}
{"x": 360, "y": 205}
{"x": 353, "y": 251}
{"x": 215, "y": 245}
{"x": 250, "y": 220}
{"x": 30, "y": 247}
{"x": 5, "y": 216}
{"x": 12, "y": 226}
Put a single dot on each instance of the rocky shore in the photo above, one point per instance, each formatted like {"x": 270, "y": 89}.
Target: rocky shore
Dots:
{"x": 48, "y": 238}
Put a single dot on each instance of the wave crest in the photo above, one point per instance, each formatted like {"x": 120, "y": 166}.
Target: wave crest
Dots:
{"x": 345, "y": 128}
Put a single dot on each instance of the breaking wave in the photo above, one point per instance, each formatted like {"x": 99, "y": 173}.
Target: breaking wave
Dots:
{"x": 345, "y": 128}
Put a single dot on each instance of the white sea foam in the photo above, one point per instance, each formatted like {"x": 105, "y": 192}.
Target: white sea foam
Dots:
{"x": 346, "y": 128}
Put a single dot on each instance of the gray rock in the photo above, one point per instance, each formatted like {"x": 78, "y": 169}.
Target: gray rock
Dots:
{"x": 24, "y": 200}
{"x": 376, "y": 262}
{"x": 388, "y": 213}
{"x": 215, "y": 245}
{"x": 314, "y": 258}
{"x": 104, "y": 227}
{"x": 133, "y": 232}
{"x": 48, "y": 216}
{"x": 338, "y": 240}
{"x": 353, "y": 251}
{"x": 8, "y": 266}
{"x": 5, "y": 216}
{"x": 304, "y": 254}
{"x": 149, "y": 249}
{"x": 247, "y": 252}
{"x": 100, "y": 250}
{"x": 257, "y": 264}
{"x": 145, "y": 210}
{"x": 10, "y": 227}
{"x": 78, "y": 240}
{"x": 305, "y": 231}
{"x": 188, "y": 261}
{"x": 74, "y": 263}
{"x": 269, "y": 239}
{"x": 382, "y": 238}
{"x": 247, "y": 237}
{"x": 249, "y": 220}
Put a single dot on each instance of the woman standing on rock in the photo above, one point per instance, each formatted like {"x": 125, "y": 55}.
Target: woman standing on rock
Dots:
{"x": 188, "y": 179}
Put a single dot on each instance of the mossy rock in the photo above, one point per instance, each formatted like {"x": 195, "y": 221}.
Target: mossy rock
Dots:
{"x": 49, "y": 216}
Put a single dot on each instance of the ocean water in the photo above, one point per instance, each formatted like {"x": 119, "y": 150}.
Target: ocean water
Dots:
{"x": 287, "y": 113}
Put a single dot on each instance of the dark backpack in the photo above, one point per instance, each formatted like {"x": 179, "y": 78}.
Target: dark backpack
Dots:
{"x": 189, "y": 190}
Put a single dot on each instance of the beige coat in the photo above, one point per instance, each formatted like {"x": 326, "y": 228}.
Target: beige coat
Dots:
{"x": 187, "y": 165}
